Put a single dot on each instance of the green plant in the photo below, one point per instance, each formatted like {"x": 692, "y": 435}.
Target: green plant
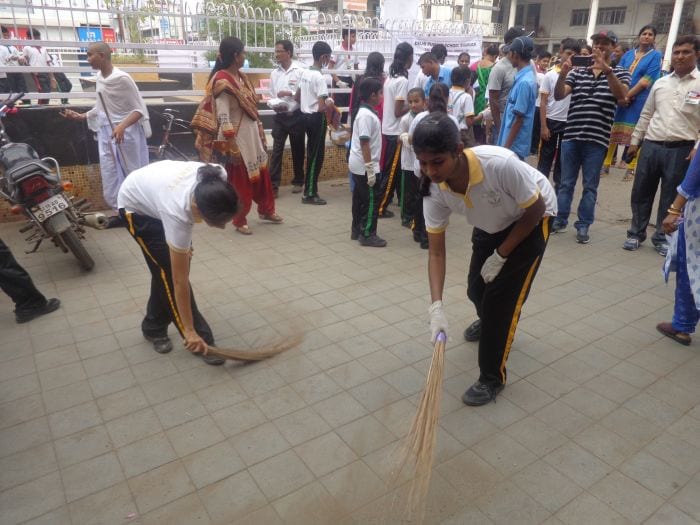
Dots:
{"x": 136, "y": 58}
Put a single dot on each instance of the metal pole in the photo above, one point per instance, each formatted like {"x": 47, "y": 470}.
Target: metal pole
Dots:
{"x": 672, "y": 34}
{"x": 511, "y": 13}
{"x": 592, "y": 18}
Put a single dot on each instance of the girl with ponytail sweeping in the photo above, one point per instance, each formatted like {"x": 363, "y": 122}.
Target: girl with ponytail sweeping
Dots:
{"x": 228, "y": 128}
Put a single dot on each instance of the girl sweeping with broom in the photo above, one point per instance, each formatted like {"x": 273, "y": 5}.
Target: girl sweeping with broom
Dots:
{"x": 509, "y": 203}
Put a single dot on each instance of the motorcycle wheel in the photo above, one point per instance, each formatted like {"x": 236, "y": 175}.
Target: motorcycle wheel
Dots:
{"x": 74, "y": 244}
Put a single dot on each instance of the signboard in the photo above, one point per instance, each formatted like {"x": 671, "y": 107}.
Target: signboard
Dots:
{"x": 355, "y": 5}
{"x": 455, "y": 45}
{"x": 96, "y": 34}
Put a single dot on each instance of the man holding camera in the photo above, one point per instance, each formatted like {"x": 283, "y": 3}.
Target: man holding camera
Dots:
{"x": 669, "y": 125}
{"x": 595, "y": 90}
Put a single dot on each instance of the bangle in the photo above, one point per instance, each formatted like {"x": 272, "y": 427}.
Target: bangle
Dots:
{"x": 672, "y": 211}
{"x": 672, "y": 207}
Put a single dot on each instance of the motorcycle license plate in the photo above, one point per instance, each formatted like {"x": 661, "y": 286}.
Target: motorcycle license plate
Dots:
{"x": 50, "y": 207}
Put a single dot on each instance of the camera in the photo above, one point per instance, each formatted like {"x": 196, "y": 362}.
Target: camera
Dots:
{"x": 582, "y": 61}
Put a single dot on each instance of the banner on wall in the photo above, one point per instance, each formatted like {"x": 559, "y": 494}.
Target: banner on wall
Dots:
{"x": 455, "y": 45}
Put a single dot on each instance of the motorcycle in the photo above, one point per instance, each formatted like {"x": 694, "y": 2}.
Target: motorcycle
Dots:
{"x": 33, "y": 186}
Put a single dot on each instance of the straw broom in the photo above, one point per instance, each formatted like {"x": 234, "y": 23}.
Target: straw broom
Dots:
{"x": 259, "y": 353}
{"x": 421, "y": 438}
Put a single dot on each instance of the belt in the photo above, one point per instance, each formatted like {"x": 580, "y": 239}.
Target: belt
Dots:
{"x": 673, "y": 143}
{"x": 288, "y": 113}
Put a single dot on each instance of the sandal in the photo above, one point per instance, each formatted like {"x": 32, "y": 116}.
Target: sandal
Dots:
{"x": 272, "y": 217}
{"x": 244, "y": 230}
{"x": 629, "y": 175}
{"x": 668, "y": 330}
{"x": 605, "y": 171}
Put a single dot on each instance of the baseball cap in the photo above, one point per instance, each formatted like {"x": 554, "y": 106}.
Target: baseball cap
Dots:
{"x": 522, "y": 45}
{"x": 515, "y": 32}
{"x": 605, "y": 34}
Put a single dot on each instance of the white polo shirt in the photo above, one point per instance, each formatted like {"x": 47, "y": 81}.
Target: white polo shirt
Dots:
{"x": 395, "y": 88}
{"x": 501, "y": 187}
{"x": 312, "y": 86}
{"x": 408, "y": 157}
{"x": 365, "y": 126}
{"x": 164, "y": 190}
{"x": 36, "y": 57}
{"x": 342, "y": 60}
{"x": 286, "y": 80}
{"x": 460, "y": 105}
{"x": 556, "y": 109}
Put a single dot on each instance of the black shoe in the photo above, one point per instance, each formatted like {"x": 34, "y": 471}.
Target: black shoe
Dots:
{"x": 582, "y": 236}
{"x": 213, "y": 360}
{"x": 162, "y": 345}
{"x": 417, "y": 236}
{"x": 372, "y": 241}
{"x": 388, "y": 214}
{"x": 424, "y": 244}
{"x": 406, "y": 223}
{"x": 115, "y": 221}
{"x": 313, "y": 200}
{"x": 473, "y": 331}
{"x": 354, "y": 235}
{"x": 481, "y": 393}
{"x": 24, "y": 316}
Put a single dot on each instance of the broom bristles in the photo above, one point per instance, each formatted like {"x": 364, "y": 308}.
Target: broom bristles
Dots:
{"x": 421, "y": 438}
{"x": 259, "y": 353}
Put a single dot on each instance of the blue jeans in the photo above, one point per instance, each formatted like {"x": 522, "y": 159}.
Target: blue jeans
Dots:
{"x": 588, "y": 157}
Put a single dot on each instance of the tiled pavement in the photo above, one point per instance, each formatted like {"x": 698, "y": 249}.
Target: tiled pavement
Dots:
{"x": 598, "y": 424}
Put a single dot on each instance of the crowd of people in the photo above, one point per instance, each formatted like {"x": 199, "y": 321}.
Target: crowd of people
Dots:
{"x": 455, "y": 139}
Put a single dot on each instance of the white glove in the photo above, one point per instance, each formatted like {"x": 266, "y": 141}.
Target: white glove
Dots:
{"x": 371, "y": 176}
{"x": 404, "y": 140}
{"x": 438, "y": 320}
{"x": 342, "y": 85}
{"x": 492, "y": 266}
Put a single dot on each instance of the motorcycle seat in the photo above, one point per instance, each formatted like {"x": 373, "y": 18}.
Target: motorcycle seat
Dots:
{"x": 18, "y": 161}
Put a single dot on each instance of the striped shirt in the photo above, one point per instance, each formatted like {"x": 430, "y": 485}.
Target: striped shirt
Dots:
{"x": 593, "y": 105}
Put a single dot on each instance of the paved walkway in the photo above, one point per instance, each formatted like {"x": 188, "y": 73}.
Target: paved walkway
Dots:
{"x": 598, "y": 424}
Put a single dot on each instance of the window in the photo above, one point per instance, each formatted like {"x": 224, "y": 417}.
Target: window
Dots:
{"x": 610, "y": 16}
{"x": 519, "y": 12}
{"x": 662, "y": 18}
{"x": 579, "y": 17}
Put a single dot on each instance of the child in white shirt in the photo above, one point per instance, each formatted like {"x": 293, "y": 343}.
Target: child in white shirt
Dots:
{"x": 365, "y": 151}
{"x": 411, "y": 211}
{"x": 460, "y": 105}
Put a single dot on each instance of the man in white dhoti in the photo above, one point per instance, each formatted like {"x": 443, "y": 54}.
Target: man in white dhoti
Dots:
{"x": 120, "y": 121}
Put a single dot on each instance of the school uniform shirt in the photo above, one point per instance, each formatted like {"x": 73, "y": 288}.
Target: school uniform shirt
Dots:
{"x": 342, "y": 60}
{"x": 444, "y": 77}
{"x": 460, "y": 105}
{"x": 312, "y": 87}
{"x": 164, "y": 191}
{"x": 286, "y": 80}
{"x": 500, "y": 188}
{"x": 412, "y": 129}
{"x": 593, "y": 105}
{"x": 9, "y": 57}
{"x": 556, "y": 109}
{"x": 395, "y": 88}
{"x": 540, "y": 79}
{"x": 365, "y": 126}
{"x": 408, "y": 156}
{"x": 37, "y": 57}
{"x": 521, "y": 102}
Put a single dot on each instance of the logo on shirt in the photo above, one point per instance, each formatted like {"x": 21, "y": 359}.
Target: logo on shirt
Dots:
{"x": 493, "y": 197}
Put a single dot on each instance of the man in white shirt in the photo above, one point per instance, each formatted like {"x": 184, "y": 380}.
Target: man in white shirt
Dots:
{"x": 342, "y": 60}
{"x": 37, "y": 56}
{"x": 668, "y": 125}
{"x": 10, "y": 57}
{"x": 552, "y": 115}
{"x": 289, "y": 121}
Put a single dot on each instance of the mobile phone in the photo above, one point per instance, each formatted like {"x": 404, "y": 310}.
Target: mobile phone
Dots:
{"x": 582, "y": 61}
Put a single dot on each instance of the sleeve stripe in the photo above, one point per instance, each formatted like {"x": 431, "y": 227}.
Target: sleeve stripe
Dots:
{"x": 441, "y": 229}
{"x": 530, "y": 201}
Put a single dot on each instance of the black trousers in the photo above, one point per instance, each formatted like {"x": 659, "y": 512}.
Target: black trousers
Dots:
{"x": 364, "y": 206}
{"x": 15, "y": 282}
{"x": 408, "y": 195}
{"x": 550, "y": 151}
{"x": 656, "y": 163}
{"x": 287, "y": 125}
{"x": 500, "y": 302}
{"x": 161, "y": 309}
{"x": 43, "y": 85}
{"x": 14, "y": 83}
{"x": 391, "y": 170}
{"x": 315, "y": 125}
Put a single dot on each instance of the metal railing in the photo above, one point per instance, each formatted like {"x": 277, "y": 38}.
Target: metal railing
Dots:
{"x": 149, "y": 30}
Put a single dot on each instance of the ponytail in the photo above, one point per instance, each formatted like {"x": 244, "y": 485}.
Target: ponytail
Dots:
{"x": 215, "y": 198}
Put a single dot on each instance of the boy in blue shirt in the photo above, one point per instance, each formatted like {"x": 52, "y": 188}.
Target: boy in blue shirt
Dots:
{"x": 519, "y": 115}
